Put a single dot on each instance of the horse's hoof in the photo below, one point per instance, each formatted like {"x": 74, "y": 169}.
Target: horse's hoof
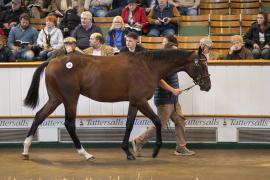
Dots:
{"x": 25, "y": 156}
{"x": 131, "y": 157}
{"x": 91, "y": 159}
{"x": 156, "y": 151}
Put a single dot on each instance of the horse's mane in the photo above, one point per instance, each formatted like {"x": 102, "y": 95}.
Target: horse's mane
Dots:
{"x": 162, "y": 55}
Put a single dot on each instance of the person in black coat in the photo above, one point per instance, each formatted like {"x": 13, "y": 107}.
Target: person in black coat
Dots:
{"x": 257, "y": 38}
{"x": 132, "y": 43}
{"x": 70, "y": 20}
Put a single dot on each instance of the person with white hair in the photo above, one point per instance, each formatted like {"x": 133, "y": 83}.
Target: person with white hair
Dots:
{"x": 84, "y": 30}
{"x": 205, "y": 47}
{"x": 238, "y": 50}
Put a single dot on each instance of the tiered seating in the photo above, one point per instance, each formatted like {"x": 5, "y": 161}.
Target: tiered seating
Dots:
{"x": 151, "y": 42}
{"x": 189, "y": 42}
{"x": 214, "y": 7}
{"x": 104, "y": 23}
{"x": 194, "y": 25}
{"x": 245, "y": 6}
{"x": 265, "y": 5}
{"x": 224, "y": 25}
{"x": 38, "y": 23}
{"x": 247, "y": 20}
{"x": 221, "y": 44}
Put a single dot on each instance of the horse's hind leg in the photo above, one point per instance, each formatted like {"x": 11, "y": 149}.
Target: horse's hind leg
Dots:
{"x": 70, "y": 117}
{"x": 148, "y": 112}
{"x": 40, "y": 116}
{"x": 132, "y": 112}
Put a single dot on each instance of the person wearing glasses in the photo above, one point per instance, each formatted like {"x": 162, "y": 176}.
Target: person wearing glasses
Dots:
{"x": 257, "y": 38}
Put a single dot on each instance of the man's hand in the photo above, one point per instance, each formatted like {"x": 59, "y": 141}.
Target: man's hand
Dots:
{"x": 256, "y": 46}
{"x": 95, "y": 3}
{"x": 157, "y": 22}
{"x": 266, "y": 46}
{"x": 167, "y": 21}
{"x": 15, "y": 48}
{"x": 29, "y": 46}
{"x": 176, "y": 92}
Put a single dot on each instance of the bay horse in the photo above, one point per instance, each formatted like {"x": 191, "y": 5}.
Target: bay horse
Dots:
{"x": 128, "y": 76}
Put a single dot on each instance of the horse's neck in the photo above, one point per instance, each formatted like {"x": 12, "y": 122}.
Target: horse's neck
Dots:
{"x": 163, "y": 68}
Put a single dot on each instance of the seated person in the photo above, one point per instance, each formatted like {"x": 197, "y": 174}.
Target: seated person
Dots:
{"x": 134, "y": 17}
{"x": 70, "y": 20}
{"x": 237, "y": 50}
{"x": 163, "y": 19}
{"x": 22, "y": 38}
{"x": 205, "y": 48}
{"x": 116, "y": 35}
{"x": 84, "y": 30}
{"x": 69, "y": 47}
{"x": 147, "y": 5}
{"x": 5, "y": 53}
{"x": 258, "y": 37}
{"x": 98, "y": 8}
{"x": 11, "y": 17}
{"x": 117, "y": 7}
{"x": 59, "y": 7}
{"x": 50, "y": 38}
{"x": 97, "y": 48}
{"x": 132, "y": 43}
{"x": 170, "y": 41}
{"x": 38, "y": 8}
{"x": 186, "y": 7}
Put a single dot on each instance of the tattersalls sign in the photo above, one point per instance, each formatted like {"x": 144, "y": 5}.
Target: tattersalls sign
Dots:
{"x": 121, "y": 122}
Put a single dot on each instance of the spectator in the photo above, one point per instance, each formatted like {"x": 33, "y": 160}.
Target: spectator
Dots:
{"x": 237, "y": 50}
{"x": 84, "y": 30}
{"x": 50, "y": 38}
{"x": 38, "y": 8}
{"x": 97, "y": 46}
{"x": 168, "y": 107}
{"x": 258, "y": 37}
{"x": 116, "y": 35}
{"x": 59, "y": 7}
{"x": 5, "y": 53}
{"x": 117, "y": 7}
{"x": 22, "y": 38}
{"x": 70, "y": 20}
{"x": 205, "y": 48}
{"x": 132, "y": 43}
{"x": 186, "y": 7}
{"x": 147, "y": 4}
{"x": 170, "y": 41}
{"x": 134, "y": 17}
{"x": 161, "y": 19}
{"x": 69, "y": 47}
{"x": 98, "y": 8}
{"x": 10, "y": 17}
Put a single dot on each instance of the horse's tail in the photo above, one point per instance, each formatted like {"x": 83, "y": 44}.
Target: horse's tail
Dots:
{"x": 31, "y": 100}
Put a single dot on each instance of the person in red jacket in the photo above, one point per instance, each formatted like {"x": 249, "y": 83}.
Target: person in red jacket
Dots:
{"x": 134, "y": 18}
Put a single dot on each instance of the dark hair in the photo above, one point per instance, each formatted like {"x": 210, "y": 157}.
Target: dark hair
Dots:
{"x": 172, "y": 39}
{"x": 132, "y": 35}
{"x": 265, "y": 15}
{"x": 25, "y": 16}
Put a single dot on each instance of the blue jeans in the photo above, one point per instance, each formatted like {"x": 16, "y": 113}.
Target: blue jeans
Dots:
{"x": 24, "y": 54}
{"x": 44, "y": 55}
{"x": 188, "y": 11}
{"x": 154, "y": 32}
{"x": 98, "y": 11}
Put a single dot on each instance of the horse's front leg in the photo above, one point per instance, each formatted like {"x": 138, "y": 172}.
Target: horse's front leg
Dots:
{"x": 132, "y": 112}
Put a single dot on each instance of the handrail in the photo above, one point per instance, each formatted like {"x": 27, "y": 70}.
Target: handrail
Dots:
{"x": 210, "y": 62}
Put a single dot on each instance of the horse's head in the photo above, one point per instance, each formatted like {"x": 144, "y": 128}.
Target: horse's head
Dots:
{"x": 199, "y": 72}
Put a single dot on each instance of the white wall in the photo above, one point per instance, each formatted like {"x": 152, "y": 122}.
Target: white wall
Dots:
{"x": 236, "y": 90}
